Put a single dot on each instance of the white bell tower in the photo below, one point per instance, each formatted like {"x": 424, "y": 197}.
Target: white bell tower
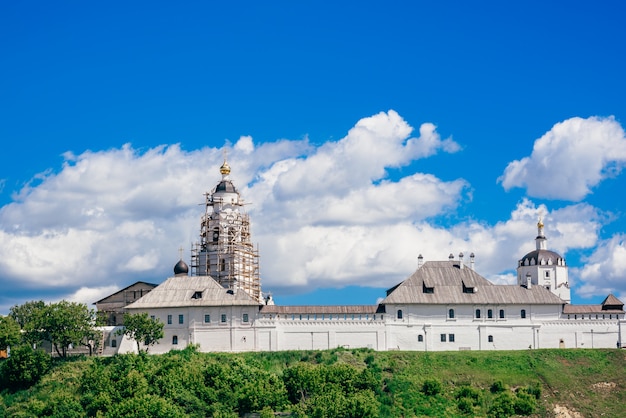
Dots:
{"x": 225, "y": 251}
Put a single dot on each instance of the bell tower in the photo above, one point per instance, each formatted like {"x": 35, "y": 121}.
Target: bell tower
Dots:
{"x": 225, "y": 251}
{"x": 543, "y": 267}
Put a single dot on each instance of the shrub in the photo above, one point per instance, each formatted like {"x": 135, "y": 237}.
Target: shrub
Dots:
{"x": 503, "y": 406}
{"x": 431, "y": 387}
{"x": 25, "y": 367}
{"x": 497, "y": 387}
{"x": 465, "y": 406}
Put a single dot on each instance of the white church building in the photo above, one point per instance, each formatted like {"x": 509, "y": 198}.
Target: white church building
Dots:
{"x": 217, "y": 304}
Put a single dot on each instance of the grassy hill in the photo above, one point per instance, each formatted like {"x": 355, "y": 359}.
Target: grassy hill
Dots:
{"x": 334, "y": 383}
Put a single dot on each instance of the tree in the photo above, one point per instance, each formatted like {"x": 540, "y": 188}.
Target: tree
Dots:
{"x": 62, "y": 324}
{"x": 26, "y": 316}
{"x": 66, "y": 323}
{"x": 9, "y": 332}
{"x": 143, "y": 329}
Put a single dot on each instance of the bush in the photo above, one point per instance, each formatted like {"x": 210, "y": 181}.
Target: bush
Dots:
{"x": 503, "y": 406}
{"x": 497, "y": 387}
{"x": 525, "y": 403}
{"x": 465, "y": 406}
{"x": 431, "y": 387}
{"x": 24, "y": 368}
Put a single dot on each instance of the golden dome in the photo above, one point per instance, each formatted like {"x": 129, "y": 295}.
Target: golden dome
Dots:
{"x": 225, "y": 168}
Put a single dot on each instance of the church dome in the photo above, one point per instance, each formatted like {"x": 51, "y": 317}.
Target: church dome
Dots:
{"x": 226, "y": 186}
{"x": 181, "y": 268}
{"x": 541, "y": 256}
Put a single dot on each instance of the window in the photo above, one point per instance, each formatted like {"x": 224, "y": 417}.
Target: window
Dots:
{"x": 245, "y": 317}
{"x": 197, "y": 295}
{"x": 399, "y": 313}
{"x": 222, "y": 265}
{"x": 547, "y": 274}
{"x": 113, "y": 343}
{"x": 207, "y": 318}
{"x": 152, "y": 317}
{"x": 451, "y": 313}
{"x": 490, "y": 338}
{"x": 420, "y": 338}
{"x": 223, "y": 318}
{"x": 451, "y": 338}
{"x": 490, "y": 313}
{"x": 181, "y": 319}
{"x": 501, "y": 315}
{"x": 443, "y": 338}
{"x": 477, "y": 313}
{"x": 523, "y": 313}
{"x": 169, "y": 320}
{"x": 175, "y": 340}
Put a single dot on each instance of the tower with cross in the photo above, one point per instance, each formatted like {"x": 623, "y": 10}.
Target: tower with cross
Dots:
{"x": 225, "y": 250}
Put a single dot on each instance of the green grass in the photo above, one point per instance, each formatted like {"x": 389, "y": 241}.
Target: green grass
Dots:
{"x": 591, "y": 382}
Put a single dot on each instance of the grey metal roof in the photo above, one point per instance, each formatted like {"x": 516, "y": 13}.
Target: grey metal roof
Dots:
{"x": 179, "y": 291}
{"x": 448, "y": 280}
{"x": 538, "y": 255}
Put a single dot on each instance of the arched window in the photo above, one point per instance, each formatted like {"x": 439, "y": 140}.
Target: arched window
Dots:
{"x": 501, "y": 313}
{"x": 451, "y": 313}
{"x": 399, "y": 313}
{"x": 490, "y": 338}
{"x": 490, "y": 313}
{"x": 222, "y": 265}
{"x": 420, "y": 338}
{"x": 477, "y": 313}
{"x": 175, "y": 340}
{"x": 523, "y": 313}
{"x": 216, "y": 234}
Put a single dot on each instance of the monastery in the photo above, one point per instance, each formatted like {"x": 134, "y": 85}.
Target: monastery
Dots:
{"x": 218, "y": 305}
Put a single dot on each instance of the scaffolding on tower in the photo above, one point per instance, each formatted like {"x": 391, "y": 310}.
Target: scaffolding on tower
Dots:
{"x": 225, "y": 251}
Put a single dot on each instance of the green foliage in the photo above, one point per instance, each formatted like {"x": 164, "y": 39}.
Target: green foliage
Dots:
{"x": 337, "y": 383}
{"x": 497, "y": 387}
{"x": 9, "y": 332}
{"x": 62, "y": 324}
{"x": 431, "y": 387}
{"x": 26, "y": 316}
{"x": 143, "y": 329}
{"x": 24, "y": 368}
{"x": 503, "y": 406}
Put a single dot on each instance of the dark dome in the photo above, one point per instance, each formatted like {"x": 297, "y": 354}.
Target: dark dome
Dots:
{"x": 181, "y": 268}
{"x": 226, "y": 186}
{"x": 538, "y": 255}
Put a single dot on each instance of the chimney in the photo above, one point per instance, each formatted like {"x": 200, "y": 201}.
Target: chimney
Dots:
{"x": 472, "y": 261}
{"x": 461, "y": 261}
{"x": 420, "y": 261}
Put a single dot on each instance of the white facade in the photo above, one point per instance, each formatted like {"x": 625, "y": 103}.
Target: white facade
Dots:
{"x": 443, "y": 305}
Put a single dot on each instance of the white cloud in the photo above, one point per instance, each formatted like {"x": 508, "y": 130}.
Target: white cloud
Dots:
{"x": 326, "y": 216}
{"x": 568, "y": 161}
{"x": 604, "y": 269}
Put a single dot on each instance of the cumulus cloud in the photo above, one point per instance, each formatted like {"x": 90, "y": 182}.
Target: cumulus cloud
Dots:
{"x": 108, "y": 218}
{"x": 323, "y": 216}
{"x": 603, "y": 270}
{"x": 568, "y": 161}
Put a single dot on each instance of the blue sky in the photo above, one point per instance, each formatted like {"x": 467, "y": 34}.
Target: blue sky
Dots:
{"x": 362, "y": 135}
